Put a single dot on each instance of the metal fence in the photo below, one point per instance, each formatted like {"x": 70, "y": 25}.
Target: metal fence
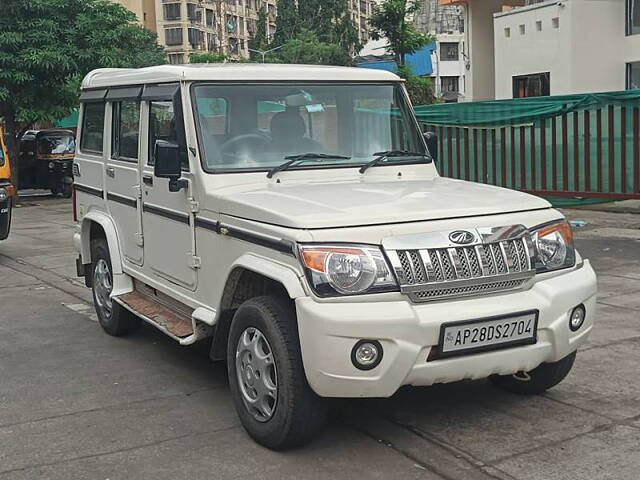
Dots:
{"x": 587, "y": 153}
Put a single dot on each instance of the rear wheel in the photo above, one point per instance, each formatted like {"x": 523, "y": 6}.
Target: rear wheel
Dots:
{"x": 538, "y": 380}
{"x": 113, "y": 317}
{"x": 5, "y": 219}
{"x": 270, "y": 391}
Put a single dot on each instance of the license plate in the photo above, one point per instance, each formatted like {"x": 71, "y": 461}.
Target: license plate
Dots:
{"x": 458, "y": 338}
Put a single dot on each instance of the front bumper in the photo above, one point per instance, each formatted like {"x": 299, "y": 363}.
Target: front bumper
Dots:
{"x": 408, "y": 331}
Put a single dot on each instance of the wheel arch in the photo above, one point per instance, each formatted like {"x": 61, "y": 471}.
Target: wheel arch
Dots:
{"x": 248, "y": 277}
{"x": 98, "y": 220}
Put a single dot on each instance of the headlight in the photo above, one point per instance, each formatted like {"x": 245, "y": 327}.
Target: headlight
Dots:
{"x": 554, "y": 246}
{"x": 3, "y": 194}
{"x": 346, "y": 270}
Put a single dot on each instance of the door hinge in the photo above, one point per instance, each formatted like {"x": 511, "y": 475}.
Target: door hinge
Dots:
{"x": 194, "y": 205}
{"x": 138, "y": 191}
{"x": 139, "y": 239}
{"x": 196, "y": 262}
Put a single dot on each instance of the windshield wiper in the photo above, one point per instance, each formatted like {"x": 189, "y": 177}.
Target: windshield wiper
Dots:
{"x": 291, "y": 159}
{"x": 381, "y": 156}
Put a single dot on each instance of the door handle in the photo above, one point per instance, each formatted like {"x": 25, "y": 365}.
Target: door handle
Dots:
{"x": 148, "y": 180}
{"x": 111, "y": 172}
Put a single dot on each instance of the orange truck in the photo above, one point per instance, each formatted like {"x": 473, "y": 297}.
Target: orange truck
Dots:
{"x": 7, "y": 190}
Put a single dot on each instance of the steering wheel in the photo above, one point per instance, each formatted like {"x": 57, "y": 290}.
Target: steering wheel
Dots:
{"x": 229, "y": 147}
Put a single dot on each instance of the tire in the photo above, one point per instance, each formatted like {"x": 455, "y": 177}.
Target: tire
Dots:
{"x": 538, "y": 380}
{"x": 113, "y": 317}
{"x": 297, "y": 414}
{"x": 67, "y": 190}
{"x": 5, "y": 221}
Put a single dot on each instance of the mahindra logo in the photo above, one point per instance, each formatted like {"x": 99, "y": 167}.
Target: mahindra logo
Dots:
{"x": 462, "y": 237}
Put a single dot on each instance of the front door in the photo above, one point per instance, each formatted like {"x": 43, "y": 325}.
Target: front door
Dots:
{"x": 169, "y": 243}
{"x": 122, "y": 176}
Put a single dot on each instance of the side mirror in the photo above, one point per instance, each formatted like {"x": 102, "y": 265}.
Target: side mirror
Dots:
{"x": 168, "y": 164}
{"x": 432, "y": 144}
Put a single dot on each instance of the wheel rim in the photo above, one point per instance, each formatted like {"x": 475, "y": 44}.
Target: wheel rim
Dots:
{"x": 102, "y": 284}
{"x": 256, "y": 373}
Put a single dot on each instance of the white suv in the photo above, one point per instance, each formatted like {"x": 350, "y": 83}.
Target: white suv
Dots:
{"x": 294, "y": 218}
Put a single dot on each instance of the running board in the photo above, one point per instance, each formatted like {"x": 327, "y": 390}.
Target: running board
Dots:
{"x": 179, "y": 325}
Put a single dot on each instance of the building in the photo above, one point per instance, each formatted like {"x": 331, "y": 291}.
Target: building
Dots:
{"x": 446, "y": 23}
{"x": 521, "y": 48}
{"x": 210, "y": 26}
{"x": 568, "y": 46}
{"x": 220, "y": 26}
{"x": 360, "y": 12}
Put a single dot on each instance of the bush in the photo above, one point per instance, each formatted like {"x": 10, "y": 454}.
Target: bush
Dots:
{"x": 420, "y": 88}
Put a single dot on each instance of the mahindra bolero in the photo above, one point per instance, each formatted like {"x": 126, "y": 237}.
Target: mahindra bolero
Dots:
{"x": 294, "y": 218}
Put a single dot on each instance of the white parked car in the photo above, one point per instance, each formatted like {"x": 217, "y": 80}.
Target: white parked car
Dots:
{"x": 293, "y": 217}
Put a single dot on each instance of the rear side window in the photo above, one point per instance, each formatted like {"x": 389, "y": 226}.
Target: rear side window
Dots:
{"x": 126, "y": 125}
{"x": 92, "y": 127}
{"x": 162, "y": 126}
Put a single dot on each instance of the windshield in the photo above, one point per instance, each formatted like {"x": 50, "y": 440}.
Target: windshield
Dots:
{"x": 51, "y": 144}
{"x": 254, "y": 127}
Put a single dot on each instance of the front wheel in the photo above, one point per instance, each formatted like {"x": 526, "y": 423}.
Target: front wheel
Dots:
{"x": 538, "y": 380}
{"x": 275, "y": 404}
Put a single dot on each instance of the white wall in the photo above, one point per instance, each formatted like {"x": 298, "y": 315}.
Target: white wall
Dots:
{"x": 586, "y": 53}
{"x": 481, "y": 74}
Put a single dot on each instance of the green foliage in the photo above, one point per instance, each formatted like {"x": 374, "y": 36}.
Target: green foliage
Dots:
{"x": 329, "y": 20}
{"x": 389, "y": 21}
{"x": 420, "y": 88}
{"x": 306, "y": 48}
{"x": 47, "y": 46}
{"x": 207, "y": 57}
{"x": 259, "y": 41}
{"x": 287, "y": 21}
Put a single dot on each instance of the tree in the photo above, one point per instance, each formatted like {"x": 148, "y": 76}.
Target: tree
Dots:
{"x": 390, "y": 21}
{"x": 307, "y": 49}
{"x": 420, "y": 89}
{"x": 207, "y": 57}
{"x": 259, "y": 41}
{"x": 47, "y": 46}
{"x": 287, "y": 21}
{"x": 331, "y": 21}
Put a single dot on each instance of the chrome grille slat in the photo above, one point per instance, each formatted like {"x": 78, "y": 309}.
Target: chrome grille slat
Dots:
{"x": 492, "y": 263}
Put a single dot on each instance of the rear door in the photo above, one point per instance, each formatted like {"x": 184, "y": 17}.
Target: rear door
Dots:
{"x": 122, "y": 171}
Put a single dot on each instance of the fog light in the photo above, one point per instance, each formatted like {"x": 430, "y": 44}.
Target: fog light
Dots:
{"x": 577, "y": 317}
{"x": 366, "y": 354}
{"x": 3, "y": 194}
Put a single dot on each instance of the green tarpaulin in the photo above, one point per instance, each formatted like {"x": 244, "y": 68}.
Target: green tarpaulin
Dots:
{"x": 518, "y": 111}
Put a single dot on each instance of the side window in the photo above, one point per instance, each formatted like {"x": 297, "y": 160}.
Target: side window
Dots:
{"x": 126, "y": 126}
{"x": 162, "y": 126}
{"x": 92, "y": 127}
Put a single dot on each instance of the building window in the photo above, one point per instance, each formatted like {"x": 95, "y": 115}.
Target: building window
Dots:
{"x": 194, "y": 13}
{"x": 533, "y": 85}
{"x": 449, "y": 87}
{"x": 507, "y": 32}
{"x": 176, "y": 58}
{"x": 171, "y": 11}
{"x": 196, "y": 38}
{"x": 173, "y": 36}
{"x": 539, "y": 25}
{"x": 555, "y": 22}
{"x": 633, "y": 17}
{"x": 522, "y": 29}
{"x": 210, "y": 18}
{"x": 633, "y": 76}
{"x": 449, "y": 52}
{"x": 92, "y": 127}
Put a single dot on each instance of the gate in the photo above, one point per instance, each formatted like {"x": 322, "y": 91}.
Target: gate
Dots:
{"x": 572, "y": 145}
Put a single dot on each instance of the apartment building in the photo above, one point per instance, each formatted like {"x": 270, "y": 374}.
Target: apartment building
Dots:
{"x": 221, "y": 26}
{"x": 145, "y": 10}
{"x": 446, "y": 24}
{"x": 361, "y": 10}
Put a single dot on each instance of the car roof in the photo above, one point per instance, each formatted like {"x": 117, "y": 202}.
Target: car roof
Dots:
{"x": 109, "y": 77}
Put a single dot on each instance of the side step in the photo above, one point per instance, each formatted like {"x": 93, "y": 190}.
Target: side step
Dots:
{"x": 175, "y": 321}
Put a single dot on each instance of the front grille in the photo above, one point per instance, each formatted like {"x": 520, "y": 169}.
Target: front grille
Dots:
{"x": 498, "y": 259}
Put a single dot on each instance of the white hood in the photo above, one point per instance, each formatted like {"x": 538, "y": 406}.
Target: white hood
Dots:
{"x": 343, "y": 203}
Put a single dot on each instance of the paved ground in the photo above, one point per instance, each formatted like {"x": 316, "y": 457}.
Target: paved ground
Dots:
{"x": 76, "y": 403}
